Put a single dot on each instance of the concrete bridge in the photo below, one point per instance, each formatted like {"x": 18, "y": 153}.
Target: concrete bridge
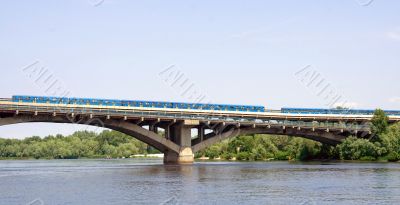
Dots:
{"x": 177, "y": 126}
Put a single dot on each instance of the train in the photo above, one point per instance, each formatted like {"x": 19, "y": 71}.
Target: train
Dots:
{"x": 187, "y": 106}
{"x": 135, "y": 103}
{"x": 335, "y": 111}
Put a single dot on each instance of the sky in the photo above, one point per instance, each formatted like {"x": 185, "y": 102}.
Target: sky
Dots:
{"x": 283, "y": 53}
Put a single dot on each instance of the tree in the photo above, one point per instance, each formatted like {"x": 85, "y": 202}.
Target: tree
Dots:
{"x": 379, "y": 124}
{"x": 391, "y": 139}
{"x": 353, "y": 148}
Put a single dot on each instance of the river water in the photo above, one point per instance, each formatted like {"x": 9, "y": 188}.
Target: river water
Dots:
{"x": 144, "y": 181}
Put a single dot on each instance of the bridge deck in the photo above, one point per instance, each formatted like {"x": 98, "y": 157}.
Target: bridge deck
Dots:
{"x": 270, "y": 118}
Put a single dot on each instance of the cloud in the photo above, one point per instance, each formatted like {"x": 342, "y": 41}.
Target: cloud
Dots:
{"x": 394, "y": 100}
{"x": 394, "y": 35}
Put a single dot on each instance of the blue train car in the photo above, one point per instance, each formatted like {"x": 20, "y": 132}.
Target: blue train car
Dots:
{"x": 335, "y": 111}
{"x": 132, "y": 103}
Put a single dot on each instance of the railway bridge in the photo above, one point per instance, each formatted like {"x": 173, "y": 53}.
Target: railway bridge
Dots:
{"x": 171, "y": 131}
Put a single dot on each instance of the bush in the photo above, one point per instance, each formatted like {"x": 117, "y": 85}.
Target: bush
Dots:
{"x": 393, "y": 157}
{"x": 227, "y": 156}
{"x": 353, "y": 148}
{"x": 242, "y": 156}
{"x": 213, "y": 152}
{"x": 280, "y": 155}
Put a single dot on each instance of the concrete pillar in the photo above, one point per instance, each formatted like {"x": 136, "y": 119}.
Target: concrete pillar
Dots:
{"x": 201, "y": 133}
{"x": 153, "y": 128}
{"x": 180, "y": 134}
{"x": 185, "y": 156}
{"x": 167, "y": 132}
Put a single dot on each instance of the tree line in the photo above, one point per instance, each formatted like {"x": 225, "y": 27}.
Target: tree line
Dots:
{"x": 81, "y": 144}
{"x": 383, "y": 145}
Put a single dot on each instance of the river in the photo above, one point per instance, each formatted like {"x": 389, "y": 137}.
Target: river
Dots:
{"x": 148, "y": 181}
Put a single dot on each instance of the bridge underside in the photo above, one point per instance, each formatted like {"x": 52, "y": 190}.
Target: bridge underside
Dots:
{"x": 176, "y": 140}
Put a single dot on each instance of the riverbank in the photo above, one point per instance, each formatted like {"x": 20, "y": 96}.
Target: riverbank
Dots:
{"x": 205, "y": 159}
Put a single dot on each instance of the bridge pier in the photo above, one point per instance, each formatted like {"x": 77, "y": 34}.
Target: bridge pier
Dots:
{"x": 180, "y": 134}
{"x": 185, "y": 156}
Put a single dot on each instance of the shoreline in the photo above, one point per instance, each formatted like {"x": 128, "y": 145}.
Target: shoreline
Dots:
{"x": 160, "y": 156}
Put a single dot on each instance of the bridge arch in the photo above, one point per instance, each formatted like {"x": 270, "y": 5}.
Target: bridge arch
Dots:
{"x": 136, "y": 131}
{"x": 330, "y": 138}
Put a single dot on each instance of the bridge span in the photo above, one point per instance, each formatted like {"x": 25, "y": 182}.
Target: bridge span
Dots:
{"x": 171, "y": 130}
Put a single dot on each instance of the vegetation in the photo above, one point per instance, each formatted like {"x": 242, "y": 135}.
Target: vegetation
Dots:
{"x": 379, "y": 123}
{"x": 78, "y": 145}
{"x": 384, "y": 145}
{"x": 266, "y": 147}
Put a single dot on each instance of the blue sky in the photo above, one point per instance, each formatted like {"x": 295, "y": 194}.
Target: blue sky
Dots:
{"x": 236, "y": 52}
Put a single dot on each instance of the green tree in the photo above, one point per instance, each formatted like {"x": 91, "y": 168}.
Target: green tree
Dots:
{"x": 379, "y": 124}
{"x": 353, "y": 148}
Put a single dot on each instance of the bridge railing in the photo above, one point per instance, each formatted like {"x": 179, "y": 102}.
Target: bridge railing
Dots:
{"x": 182, "y": 115}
